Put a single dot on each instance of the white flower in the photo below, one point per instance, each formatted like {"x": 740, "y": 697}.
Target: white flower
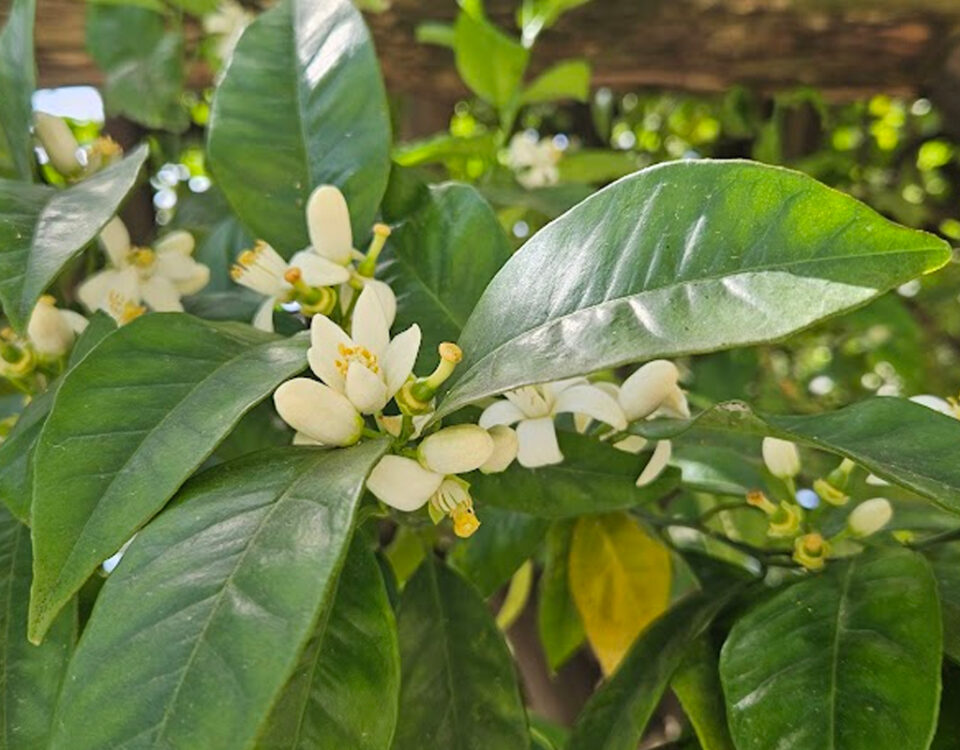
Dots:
{"x": 158, "y": 277}
{"x": 402, "y": 483}
{"x": 51, "y": 330}
{"x": 505, "y": 446}
{"x": 533, "y": 161}
{"x": 781, "y": 457}
{"x": 227, "y": 22}
{"x": 318, "y": 413}
{"x": 59, "y": 143}
{"x": 533, "y": 408}
{"x": 456, "y": 450}
{"x": 870, "y": 516}
{"x": 366, "y": 366}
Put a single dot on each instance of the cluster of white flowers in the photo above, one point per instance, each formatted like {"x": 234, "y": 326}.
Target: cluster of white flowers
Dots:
{"x": 534, "y": 160}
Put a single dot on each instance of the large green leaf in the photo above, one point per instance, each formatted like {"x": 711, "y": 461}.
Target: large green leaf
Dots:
{"x": 195, "y": 633}
{"x": 439, "y": 260}
{"x": 696, "y": 683}
{"x": 18, "y": 79}
{"x": 843, "y": 660}
{"x": 30, "y": 676}
{"x": 42, "y": 228}
{"x": 681, "y": 258}
{"x": 894, "y": 438}
{"x": 301, "y": 103}
{"x": 594, "y": 478}
{"x": 17, "y": 449}
{"x": 344, "y": 691}
{"x": 945, "y": 562}
{"x": 617, "y": 714}
{"x": 143, "y": 63}
{"x": 458, "y": 688}
{"x": 130, "y": 423}
{"x": 558, "y": 621}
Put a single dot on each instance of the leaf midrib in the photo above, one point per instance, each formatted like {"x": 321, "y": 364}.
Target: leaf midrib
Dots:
{"x": 835, "y": 653}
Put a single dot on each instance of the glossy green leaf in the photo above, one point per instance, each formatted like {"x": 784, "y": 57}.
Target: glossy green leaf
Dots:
{"x": 594, "y": 478}
{"x": 458, "y": 688}
{"x": 894, "y": 438}
{"x": 617, "y": 714}
{"x": 503, "y": 542}
{"x": 196, "y": 632}
{"x": 846, "y": 659}
{"x": 668, "y": 262}
{"x": 569, "y": 79}
{"x": 16, "y": 450}
{"x": 30, "y": 676}
{"x": 142, "y": 61}
{"x": 438, "y": 262}
{"x": 18, "y": 79}
{"x": 945, "y": 561}
{"x": 696, "y": 683}
{"x": 344, "y": 691}
{"x": 42, "y": 228}
{"x": 558, "y": 621}
{"x": 301, "y": 104}
{"x": 130, "y": 423}
{"x": 490, "y": 63}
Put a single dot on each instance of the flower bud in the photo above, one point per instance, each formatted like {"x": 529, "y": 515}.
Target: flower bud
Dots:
{"x": 58, "y": 141}
{"x": 869, "y": 517}
{"x": 318, "y": 412}
{"x": 505, "y": 447}
{"x": 49, "y": 330}
{"x": 830, "y": 494}
{"x": 785, "y": 521}
{"x": 781, "y": 457}
{"x": 457, "y": 449}
{"x": 811, "y": 551}
{"x": 402, "y": 483}
{"x": 646, "y": 389}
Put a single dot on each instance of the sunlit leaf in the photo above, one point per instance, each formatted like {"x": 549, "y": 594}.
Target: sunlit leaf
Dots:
{"x": 17, "y": 82}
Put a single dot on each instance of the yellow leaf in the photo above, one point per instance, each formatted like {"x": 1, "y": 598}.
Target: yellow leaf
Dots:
{"x": 619, "y": 580}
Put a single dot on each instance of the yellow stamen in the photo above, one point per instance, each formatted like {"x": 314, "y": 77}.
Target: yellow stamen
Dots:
{"x": 141, "y": 257}
{"x": 465, "y": 521}
{"x": 359, "y": 354}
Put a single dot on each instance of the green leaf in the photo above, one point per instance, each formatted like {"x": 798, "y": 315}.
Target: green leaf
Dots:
{"x": 16, "y": 451}
{"x": 344, "y": 691}
{"x": 196, "y": 632}
{"x": 569, "y": 79}
{"x": 41, "y": 229}
{"x": 143, "y": 64}
{"x": 667, "y": 262}
{"x": 945, "y": 561}
{"x": 458, "y": 688}
{"x": 617, "y": 714}
{"x": 594, "y": 478}
{"x": 502, "y": 543}
{"x": 438, "y": 262}
{"x": 846, "y": 659}
{"x": 30, "y": 676}
{"x": 894, "y": 438}
{"x": 18, "y": 79}
{"x": 301, "y": 104}
{"x": 130, "y": 423}
{"x": 490, "y": 63}
{"x": 696, "y": 684}
{"x": 558, "y": 622}
{"x": 596, "y": 165}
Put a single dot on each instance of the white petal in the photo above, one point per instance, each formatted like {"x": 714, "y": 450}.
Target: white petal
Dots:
{"x": 48, "y": 329}
{"x": 554, "y": 388}
{"x": 402, "y": 483}
{"x": 501, "y": 412}
{"x": 657, "y": 463}
{"x": 645, "y": 389}
{"x": 505, "y": 446}
{"x": 675, "y": 404}
{"x": 631, "y": 444}
{"x": 585, "y": 399}
{"x": 537, "y": 443}
{"x": 78, "y": 324}
{"x": 365, "y": 389}
{"x": 934, "y": 402}
{"x": 781, "y": 457}
{"x": 161, "y": 294}
{"x": 388, "y": 300}
{"x": 531, "y": 400}
{"x": 115, "y": 241}
{"x": 326, "y": 338}
{"x": 870, "y": 516}
{"x": 369, "y": 328}
{"x": 328, "y": 224}
{"x": 199, "y": 277}
{"x": 456, "y": 450}
{"x": 315, "y": 270}
{"x": 318, "y": 411}
{"x": 399, "y": 358}
{"x": 179, "y": 242}
{"x": 263, "y": 318}
{"x": 301, "y": 438}
{"x": 94, "y": 293}
{"x": 876, "y": 481}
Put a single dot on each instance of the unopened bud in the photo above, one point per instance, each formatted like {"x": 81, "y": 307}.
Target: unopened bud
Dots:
{"x": 505, "y": 447}
{"x": 781, "y": 457}
{"x": 869, "y": 517}
{"x": 59, "y": 142}
{"x": 457, "y": 449}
